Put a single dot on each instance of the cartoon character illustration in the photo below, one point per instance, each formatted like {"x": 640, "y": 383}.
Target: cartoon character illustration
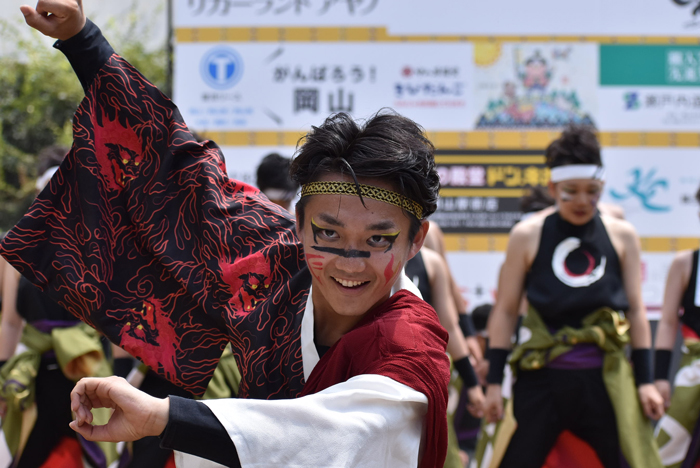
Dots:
{"x": 149, "y": 334}
{"x": 249, "y": 279}
{"x": 536, "y": 74}
{"x": 531, "y": 99}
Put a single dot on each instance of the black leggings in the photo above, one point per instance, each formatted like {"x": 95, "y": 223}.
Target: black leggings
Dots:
{"x": 549, "y": 401}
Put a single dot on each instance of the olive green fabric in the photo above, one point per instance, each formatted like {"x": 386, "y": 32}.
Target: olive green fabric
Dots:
{"x": 453, "y": 460}
{"x": 79, "y": 354}
{"x": 226, "y": 379}
{"x": 607, "y": 329}
{"x": 685, "y": 402}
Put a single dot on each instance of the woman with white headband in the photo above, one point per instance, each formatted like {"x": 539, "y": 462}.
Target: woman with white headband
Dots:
{"x": 677, "y": 433}
{"x": 581, "y": 274}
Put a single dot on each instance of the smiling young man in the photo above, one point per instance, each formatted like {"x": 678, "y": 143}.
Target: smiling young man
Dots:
{"x": 142, "y": 235}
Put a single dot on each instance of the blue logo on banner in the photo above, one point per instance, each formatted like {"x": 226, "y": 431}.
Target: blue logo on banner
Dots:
{"x": 644, "y": 187}
{"x": 221, "y": 68}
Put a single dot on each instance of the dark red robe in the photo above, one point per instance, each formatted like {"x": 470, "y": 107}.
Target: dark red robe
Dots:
{"x": 401, "y": 339}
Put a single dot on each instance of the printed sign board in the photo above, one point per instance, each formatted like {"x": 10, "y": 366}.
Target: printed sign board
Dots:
{"x": 291, "y": 86}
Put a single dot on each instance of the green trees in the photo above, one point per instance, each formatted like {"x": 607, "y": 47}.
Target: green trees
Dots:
{"x": 39, "y": 93}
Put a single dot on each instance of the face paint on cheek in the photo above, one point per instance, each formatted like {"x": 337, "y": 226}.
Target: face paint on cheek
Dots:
{"x": 389, "y": 272}
{"x": 566, "y": 197}
{"x": 316, "y": 263}
{"x": 595, "y": 199}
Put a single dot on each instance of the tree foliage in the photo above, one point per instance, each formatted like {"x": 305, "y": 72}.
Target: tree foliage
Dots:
{"x": 39, "y": 94}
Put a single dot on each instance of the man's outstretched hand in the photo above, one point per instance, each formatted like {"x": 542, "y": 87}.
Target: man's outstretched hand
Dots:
{"x": 60, "y": 19}
{"x": 135, "y": 414}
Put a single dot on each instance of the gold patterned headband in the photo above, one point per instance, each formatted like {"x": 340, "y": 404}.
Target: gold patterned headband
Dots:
{"x": 349, "y": 188}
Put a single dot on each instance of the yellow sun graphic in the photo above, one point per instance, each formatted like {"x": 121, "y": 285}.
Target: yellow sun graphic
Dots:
{"x": 486, "y": 53}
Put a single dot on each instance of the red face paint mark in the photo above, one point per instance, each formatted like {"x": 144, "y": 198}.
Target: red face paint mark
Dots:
{"x": 389, "y": 272}
{"x": 316, "y": 265}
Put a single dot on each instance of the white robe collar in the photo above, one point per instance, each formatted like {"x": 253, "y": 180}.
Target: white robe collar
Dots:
{"x": 309, "y": 355}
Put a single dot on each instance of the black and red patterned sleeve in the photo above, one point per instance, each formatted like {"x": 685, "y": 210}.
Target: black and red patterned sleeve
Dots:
{"x": 141, "y": 234}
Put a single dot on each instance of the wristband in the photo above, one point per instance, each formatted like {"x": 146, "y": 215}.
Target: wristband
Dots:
{"x": 641, "y": 363}
{"x": 662, "y": 364}
{"x": 497, "y": 361}
{"x": 466, "y": 325}
{"x": 466, "y": 372}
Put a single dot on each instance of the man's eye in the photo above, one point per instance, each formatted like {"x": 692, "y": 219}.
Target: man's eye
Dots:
{"x": 329, "y": 233}
{"x": 378, "y": 241}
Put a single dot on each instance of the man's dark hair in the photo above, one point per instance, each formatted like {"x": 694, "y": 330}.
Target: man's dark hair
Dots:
{"x": 49, "y": 157}
{"x": 576, "y": 145}
{"x": 697, "y": 195}
{"x": 480, "y": 316}
{"x": 387, "y": 146}
{"x": 273, "y": 172}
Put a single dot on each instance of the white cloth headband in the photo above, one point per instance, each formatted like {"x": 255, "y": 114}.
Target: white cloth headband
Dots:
{"x": 45, "y": 177}
{"x": 577, "y": 171}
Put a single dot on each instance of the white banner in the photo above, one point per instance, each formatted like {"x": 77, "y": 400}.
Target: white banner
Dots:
{"x": 441, "y": 17}
{"x": 244, "y": 86}
{"x": 650, "y": 108}
{"x": 656, "y": 187}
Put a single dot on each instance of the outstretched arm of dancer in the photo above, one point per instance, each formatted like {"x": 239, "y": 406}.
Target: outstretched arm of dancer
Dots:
{"x": 522, "y": 246}
{"x": 676, "y": 283}
{"x": 368, "y": 412}
{"x": 141, "y": 222}
{"x": 640, "y": 332}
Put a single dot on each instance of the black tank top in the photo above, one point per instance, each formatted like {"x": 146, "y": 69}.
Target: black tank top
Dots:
{"x": 691, "y": 309}
{"x": 34, "y": 305}
{"x": 416, "y": 272}
{"x": 575, "y": 272}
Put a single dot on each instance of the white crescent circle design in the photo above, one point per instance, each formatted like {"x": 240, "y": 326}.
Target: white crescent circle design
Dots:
{"x": 590, "y": 276}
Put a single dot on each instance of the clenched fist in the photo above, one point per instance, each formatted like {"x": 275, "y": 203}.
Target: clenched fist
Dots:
{"x": 60, "y": 19}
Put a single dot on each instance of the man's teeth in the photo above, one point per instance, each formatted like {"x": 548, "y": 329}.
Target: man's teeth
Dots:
{"x": 349, "y": 284}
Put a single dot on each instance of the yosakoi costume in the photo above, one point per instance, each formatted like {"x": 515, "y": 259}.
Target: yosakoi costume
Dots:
{"x": 142, "y": 235}
{"x": 571, "y": 373}
{"x": 678, "y": 433}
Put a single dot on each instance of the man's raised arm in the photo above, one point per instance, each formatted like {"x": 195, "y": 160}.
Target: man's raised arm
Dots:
{"x": 140, "y": 233}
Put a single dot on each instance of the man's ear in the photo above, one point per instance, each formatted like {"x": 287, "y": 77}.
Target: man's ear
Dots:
{"x": 297, "y": 227}
{"x": 417, "y": 242}
{"x": 552, "y": 189}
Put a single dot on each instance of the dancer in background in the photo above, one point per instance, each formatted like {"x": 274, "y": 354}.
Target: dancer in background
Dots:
{"x": 430, "y": 273}
{"x": 678, "y": 433}
{"x": 581, "y": 272}
{"x": 272, "y": 178}
{"x": 435, "y": 240}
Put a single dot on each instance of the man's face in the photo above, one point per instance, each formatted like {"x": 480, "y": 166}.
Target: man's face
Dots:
{"x": 354, "y": 253}
{"x": 577, "y": 199}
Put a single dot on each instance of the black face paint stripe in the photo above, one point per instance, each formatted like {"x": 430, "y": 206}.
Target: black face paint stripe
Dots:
{"x": 391, "y": 239}
{"x": 343, "y": 253}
